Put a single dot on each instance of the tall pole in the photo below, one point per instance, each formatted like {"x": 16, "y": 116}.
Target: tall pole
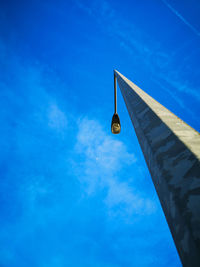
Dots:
{"x": 171, "y": 149}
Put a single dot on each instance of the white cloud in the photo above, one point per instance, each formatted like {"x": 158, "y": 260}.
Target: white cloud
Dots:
{"x": 181, "y": 18}
{"x": 122, "y": 193}
{"x": 56, "y": 118}
{"x": 182, "y": 86}
{"x": 107, "y": 153}
{"x": 104, "y": 159}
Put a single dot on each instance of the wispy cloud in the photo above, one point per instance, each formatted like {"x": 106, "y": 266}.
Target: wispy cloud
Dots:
{"x": 173, "y": 93}
{"x": 57, "y": 118}
{"x": 104, "y": 158}
{"x": 129, "y": 36}
{"x": 181, "y": 18}
{"x": 182, "y": 87}
{"x": 146, "y": 50}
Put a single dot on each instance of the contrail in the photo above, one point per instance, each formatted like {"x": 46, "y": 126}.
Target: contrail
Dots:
{"x": 181, "y": 17}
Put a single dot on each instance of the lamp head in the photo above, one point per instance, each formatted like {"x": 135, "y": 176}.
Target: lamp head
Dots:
{"x": 115, "y": 125}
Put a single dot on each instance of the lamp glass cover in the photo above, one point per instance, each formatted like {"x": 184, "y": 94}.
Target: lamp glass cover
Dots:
{"x": 115, "y": 125}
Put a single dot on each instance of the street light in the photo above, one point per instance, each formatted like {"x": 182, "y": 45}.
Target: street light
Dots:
{"x": 115, "y": 124}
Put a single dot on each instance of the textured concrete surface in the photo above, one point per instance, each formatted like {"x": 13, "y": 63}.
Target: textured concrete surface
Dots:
{"x": 172, "y": 152}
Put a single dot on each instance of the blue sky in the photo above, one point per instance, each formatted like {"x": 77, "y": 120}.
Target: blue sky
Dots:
{"x": 72, "y": 194}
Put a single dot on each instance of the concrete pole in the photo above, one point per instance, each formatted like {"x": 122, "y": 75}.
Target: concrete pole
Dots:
{"x": 172, "y": 152}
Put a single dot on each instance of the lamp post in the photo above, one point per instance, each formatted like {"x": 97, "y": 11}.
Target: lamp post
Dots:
{"x": 115, "y": 124}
